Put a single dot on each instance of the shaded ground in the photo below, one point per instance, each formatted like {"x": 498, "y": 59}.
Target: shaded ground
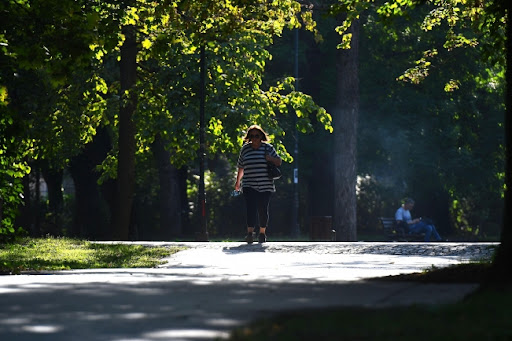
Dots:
{"x": 483, "y": 314}
{"x": 209, "y": 289}
{"x": 461, "y": 273}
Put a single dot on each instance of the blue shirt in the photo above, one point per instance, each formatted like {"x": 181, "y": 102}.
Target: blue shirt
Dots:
{"x": 403, "y": 215}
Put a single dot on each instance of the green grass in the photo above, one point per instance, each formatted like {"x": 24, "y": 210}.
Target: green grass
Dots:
{"x": 65, "y": 253}
{"x": 472, "y": 272}
{"x": 486, "y": 315}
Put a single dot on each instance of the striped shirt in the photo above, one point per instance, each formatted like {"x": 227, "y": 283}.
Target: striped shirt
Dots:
{"x": 255, "y": 167}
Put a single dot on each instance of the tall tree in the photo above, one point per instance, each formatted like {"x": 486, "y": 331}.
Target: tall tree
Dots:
{"x": 127, "y": 130}
{"x": 40, "y": 58}
{"x": 488, "y": 19}
{"x": 169, "y": 196}
{"x": 168, "y": 59}
{"x": 442, "y": 145}
{"x": 161, "y": 40}
{"x": 345, "y": 120}
{"x": 503, "y": 260}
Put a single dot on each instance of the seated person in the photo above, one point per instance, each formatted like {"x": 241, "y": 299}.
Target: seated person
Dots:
{"x": 403, "y": 215}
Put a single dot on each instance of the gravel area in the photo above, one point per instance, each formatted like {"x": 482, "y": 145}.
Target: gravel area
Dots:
{"x": 469, "y": 251}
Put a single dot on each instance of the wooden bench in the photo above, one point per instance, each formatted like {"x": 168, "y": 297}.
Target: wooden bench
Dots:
{"x": 394, "y": 231}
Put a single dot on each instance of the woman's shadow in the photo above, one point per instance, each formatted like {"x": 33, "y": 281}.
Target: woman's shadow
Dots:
{"x": 242, "y": 248}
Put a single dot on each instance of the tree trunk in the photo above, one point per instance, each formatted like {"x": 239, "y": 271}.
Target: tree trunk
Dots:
{"x": 53, "y": 179}
{"x": 502, "y": 265}
{"x": 169, "y": 192}
{"x": 37, "y": 200}
{"x": 91, "y": 216}
{"x": 182, "y": 181}
{"x": 126, "y": 157}
{"x": 26, "y": 217}
{"x": 1, "y": 210}
{"x": 345, "y": 140}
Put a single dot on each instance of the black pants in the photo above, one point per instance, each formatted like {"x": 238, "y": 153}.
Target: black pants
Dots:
{"x": 257, "y": 207}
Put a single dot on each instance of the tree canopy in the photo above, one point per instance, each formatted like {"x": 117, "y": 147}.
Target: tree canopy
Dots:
{"x": 431, "y": 101}
{"x": 63, "y": 56}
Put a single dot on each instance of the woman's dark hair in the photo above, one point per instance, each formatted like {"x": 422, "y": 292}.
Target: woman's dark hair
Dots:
{"x": 259, "y": 129}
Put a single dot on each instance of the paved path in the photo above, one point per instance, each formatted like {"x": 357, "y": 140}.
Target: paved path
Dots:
{"x": 205, "y": 291}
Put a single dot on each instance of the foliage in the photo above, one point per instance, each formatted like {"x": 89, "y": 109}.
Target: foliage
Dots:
{"x": 171, "y": 34}
{"x": 61, "y": 57}
{"x": 12, "y": 169}
{"x": 51, "y": 93}
{"x": 64, "y": 254}
{"x": 234, "y": 37}
{"x": 467, "y": 23}
{"x": 440, "y": 147}
{"x": 374, "y": 200}
{"x": 43, "y": 48}
{"x": 435, "y": 134}
{"x": 225, "y": 213}
{"x": 440, "y": 144}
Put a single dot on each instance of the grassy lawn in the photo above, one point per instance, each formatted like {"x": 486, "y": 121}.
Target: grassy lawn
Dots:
{"x": 486, "y": 315}
{"x": 65, "y": 253}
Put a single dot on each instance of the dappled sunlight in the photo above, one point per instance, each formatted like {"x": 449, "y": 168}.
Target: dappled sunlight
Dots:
{"x": 123, "y": 311}
{"x": 41, "y": 329}
{"x": 150, "y": 310}
{"x": 185, "y": 334}
{"x": 204, "y": 293}
{"x": 13, "y": 321}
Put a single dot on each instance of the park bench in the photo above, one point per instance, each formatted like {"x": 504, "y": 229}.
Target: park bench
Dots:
{"x": 398, "y": 232}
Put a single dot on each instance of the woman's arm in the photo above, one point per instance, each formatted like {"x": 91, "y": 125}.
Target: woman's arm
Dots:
{"x": 239, "y": 176}
{"x": 275, "y": 160}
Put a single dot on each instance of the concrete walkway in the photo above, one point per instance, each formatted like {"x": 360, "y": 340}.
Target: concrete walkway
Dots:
{"x": 207, "y": 290}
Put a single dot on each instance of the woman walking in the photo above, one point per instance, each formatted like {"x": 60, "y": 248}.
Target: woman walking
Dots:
{"x": 253, "y": 179}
